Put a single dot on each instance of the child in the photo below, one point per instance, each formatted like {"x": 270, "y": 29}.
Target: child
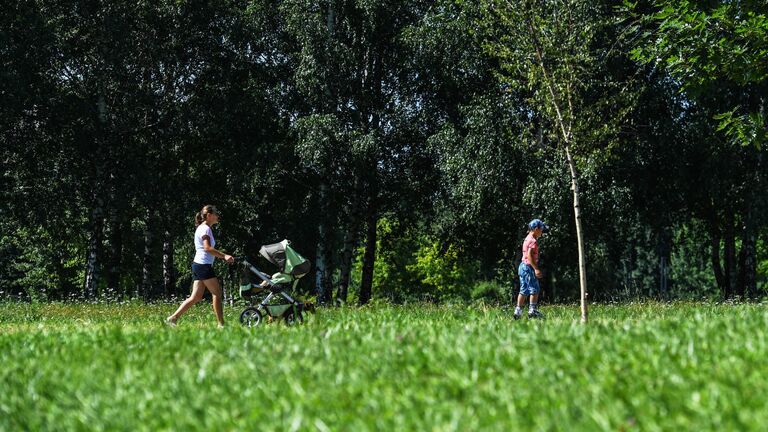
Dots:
{"x": 529, "y": 270}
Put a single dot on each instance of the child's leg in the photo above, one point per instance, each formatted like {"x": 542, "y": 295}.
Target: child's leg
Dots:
{"x": 533, "y": 305}
{"x": 524, "y": 271}
{"x": 520, "y": 301}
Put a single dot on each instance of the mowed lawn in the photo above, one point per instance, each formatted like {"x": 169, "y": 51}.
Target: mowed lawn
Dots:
{"x": 414, "y": 368}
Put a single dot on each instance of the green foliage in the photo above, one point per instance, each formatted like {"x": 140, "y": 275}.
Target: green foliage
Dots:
{"x": 47, "y": 267}
{"x": 700, "y": 42}
{"x": 493, "y": 292}
{"x": 690, "y": 269}
{"x": 414, "y": 266}
{"x": 394, "y": 252}
{"x": 704, "y": 45}
{"x": 762, "y": 267}
{"x": 447, "y": 273}
{"x": 562, "y": 58}
{"x": 746, "y": 128}
{"x": 677, "y": 366}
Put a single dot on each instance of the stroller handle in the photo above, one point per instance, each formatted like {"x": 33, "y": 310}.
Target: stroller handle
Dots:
{"x": 244, "y": 261}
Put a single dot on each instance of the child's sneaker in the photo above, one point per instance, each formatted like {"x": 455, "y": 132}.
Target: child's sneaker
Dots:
{"x": 535, "y": 315}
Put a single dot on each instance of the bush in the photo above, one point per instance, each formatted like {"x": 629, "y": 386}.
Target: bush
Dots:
{"x": 444, "y": 272}
{"x": 690, "y": 270}
{"x": 411, "y": 265}
{"x": 490, "y": 292}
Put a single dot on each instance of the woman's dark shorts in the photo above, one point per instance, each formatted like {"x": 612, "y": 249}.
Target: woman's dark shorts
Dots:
{"x": 203, "y": 271}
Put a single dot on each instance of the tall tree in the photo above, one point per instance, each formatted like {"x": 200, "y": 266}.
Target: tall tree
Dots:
{"x": 552, "y": 49}
{"x": 348, "y": 61}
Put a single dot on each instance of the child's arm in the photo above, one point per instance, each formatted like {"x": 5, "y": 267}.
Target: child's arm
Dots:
{"x": 534, "y": 264}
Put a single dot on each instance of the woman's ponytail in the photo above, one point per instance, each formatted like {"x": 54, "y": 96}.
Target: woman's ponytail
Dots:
{"x": 201, "y": 215}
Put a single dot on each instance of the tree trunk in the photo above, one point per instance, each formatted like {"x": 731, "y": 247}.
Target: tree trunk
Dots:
{"x": 579, "y": 235}
{"x": 169, "y": 276}
{"x": 369, "y": 256}
{"x": 323, "y": 288}
{"x": 61, "y": 276}
{"x": 330, "y": 19}
{"x": 93, "y": 266}
{"x": 96, "y": 240}
{"x": 115, "y": 253}
{"x": 729, "y": 252}
{"x": 664, "y": 248}
{"x": 328, "y": 281}
{"x": 323, "y": 285}
{"x": 320, "y": 267}
{"x": 717, "y": 268}
{"x": 346, "y": 263}
{"x": 146, "y": 267}
{"x": 747, "y": 283}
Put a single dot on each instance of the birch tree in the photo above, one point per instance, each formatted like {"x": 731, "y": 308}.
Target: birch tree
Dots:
{"x": 550, "y": 50}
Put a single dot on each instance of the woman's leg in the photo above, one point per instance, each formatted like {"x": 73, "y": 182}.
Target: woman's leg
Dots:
{"x": 213, "y": 286}
{"x": 197, "y": 294}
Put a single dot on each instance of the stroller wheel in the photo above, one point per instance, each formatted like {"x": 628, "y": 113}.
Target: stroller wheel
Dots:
{"x": 250, "y": 317}
{"x": 292, "y": 319}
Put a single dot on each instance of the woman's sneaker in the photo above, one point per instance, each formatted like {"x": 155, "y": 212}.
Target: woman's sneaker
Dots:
{"x": 170, "y": 322}
{"x": 535, "y": 315}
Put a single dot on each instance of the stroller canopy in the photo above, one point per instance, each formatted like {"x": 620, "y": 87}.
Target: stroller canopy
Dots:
{"x": 285, "y": 258}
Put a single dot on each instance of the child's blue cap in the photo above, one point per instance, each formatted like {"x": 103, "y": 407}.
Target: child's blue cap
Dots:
{"x": 536, "y": 223}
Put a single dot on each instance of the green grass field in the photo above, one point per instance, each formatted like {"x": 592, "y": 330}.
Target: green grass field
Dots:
{"x": 634, "y": 367}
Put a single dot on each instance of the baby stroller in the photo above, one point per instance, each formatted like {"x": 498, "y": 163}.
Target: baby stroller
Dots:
{"x": 267, "y": 295}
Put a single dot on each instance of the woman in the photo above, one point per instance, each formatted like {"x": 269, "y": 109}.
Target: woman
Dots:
{"x": 202, "y": 266}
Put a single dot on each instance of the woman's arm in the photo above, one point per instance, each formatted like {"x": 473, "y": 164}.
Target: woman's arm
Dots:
{"x": 209, "y": 249}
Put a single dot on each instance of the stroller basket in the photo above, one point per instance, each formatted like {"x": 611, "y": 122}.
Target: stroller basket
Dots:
{"x": 278, "y": 309}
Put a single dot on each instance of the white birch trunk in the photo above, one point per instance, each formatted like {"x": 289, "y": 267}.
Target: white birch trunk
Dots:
{"x": 346, "y": 263}
{"x": 93, "y": 266}
{"x": 169, "y": 279}
{"x": 321, "y": 266}
{"x": 146, "y": 268}
{"x": 579, "y": 235}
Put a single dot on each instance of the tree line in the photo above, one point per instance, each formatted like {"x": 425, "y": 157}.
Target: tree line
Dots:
{"x": 400, "y": 145}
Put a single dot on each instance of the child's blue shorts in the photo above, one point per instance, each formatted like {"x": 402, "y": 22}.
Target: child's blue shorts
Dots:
{"x": 529, "y": 285}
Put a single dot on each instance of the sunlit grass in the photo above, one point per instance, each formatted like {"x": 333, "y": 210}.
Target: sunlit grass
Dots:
{"x": 638, "y": 366}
